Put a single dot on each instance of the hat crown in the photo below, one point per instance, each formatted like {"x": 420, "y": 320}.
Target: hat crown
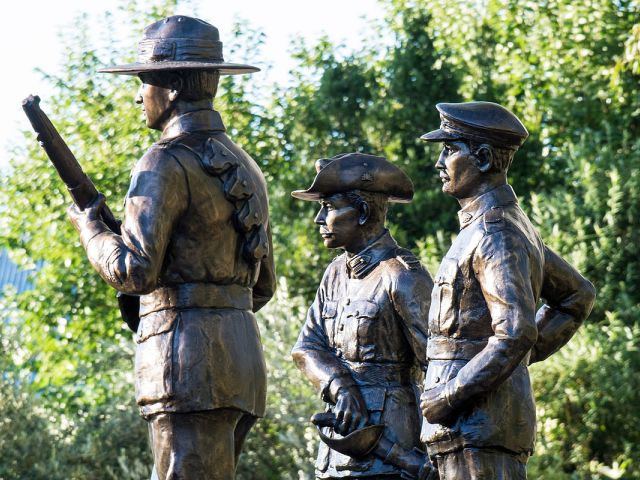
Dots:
{"x": 358, "y": 171}
{"x": 182, "y": 27}
{"x": 180, "y": 43}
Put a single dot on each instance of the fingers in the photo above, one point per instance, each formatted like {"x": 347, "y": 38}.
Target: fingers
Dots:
{"x": 344, "y": 427}
{"x": 94, "y": 208}
{"x": 423, "y": 404}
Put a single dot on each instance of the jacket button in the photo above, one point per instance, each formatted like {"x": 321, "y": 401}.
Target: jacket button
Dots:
{"x": 341, "y": 327}
{"x": 348, "y": 301}
{"x": 437, "y": 380}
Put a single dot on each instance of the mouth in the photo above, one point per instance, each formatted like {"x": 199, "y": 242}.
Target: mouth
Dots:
{"x": 444, "y": 177}
{"x": 325, "y": 234}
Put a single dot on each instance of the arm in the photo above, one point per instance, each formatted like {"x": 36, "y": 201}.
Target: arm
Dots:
{"x": 569, "y": 298}
{"x": 315, "y": 357}
{"x": 265, "y": 287}
{"x": 157, "y": 197}
{"x": 501, "y": 265}
{"x": 411, "y": 299}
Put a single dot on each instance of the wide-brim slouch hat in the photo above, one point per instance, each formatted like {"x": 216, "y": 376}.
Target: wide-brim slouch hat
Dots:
{"x": 180, "y": 43}
{"x": 481, "y": 122}
{"x": 358, "y": 171}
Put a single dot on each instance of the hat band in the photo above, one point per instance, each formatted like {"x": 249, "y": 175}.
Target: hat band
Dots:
{"x": 504, "y": 141}
{"x": 179, "y": 49}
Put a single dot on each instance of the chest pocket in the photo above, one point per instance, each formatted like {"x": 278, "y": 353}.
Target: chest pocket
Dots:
{"x": 362, "y": 316}
{"x": 446, "y": 296}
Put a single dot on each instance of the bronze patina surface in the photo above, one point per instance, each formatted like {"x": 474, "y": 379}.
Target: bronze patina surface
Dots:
{"x": 367, "y": 328}
{"x": 484, "y": 330}
{"x": 195, "y": 245}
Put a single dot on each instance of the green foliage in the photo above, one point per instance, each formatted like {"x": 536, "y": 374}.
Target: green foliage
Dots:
{"x": 586, "y": 431}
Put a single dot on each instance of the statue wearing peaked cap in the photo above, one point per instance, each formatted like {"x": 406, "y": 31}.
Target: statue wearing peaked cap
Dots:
{"x": 196, "y": 247}
{"x": 367, "y": 327}
{"x": 484, "y": 329}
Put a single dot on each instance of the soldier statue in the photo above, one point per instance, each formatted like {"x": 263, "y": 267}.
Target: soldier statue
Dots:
{"x": 366, "y": 330}
{"x": 195, "y": 245}
{"x": 483, "y": 325}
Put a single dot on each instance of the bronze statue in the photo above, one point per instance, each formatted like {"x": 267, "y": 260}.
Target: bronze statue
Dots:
{"x": 484, "y": 329}
{"x": 367, "y": 327}
{"x": 195, "y": 245}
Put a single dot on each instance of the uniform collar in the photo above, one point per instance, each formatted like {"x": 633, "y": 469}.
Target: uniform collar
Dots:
{"x": 196, "y": 121}
{"x": 361, "y": 264}
{"x": 498, "y": 197}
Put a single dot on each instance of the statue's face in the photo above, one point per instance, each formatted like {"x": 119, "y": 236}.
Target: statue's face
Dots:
{"x": 156, "y": 101}
{"x": 339, "y": 222}
{"x": 458, "y": 171}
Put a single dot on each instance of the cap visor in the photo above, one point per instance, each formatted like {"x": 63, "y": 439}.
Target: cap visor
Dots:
{"x": 439, "y": 136}
{"x": 222, "y": 67}
{"x": 306, "y": 195}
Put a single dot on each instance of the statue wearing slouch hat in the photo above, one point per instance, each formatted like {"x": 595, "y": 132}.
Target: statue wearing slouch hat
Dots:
{"x": 480, "y": 420}
{"x": 196, "y": 248}
{"x": 365, "y": 335}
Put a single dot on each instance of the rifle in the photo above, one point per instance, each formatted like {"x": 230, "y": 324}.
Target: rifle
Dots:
{"x": 81, "y": 188}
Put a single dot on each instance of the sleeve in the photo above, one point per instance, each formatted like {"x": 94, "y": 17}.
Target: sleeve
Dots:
{"x": 569, "y": 298}
{"x": 411, "y": 298}
{"x": 501, "y": 264}
{"x": 265, "y": 287}
{"x": 157, "y": 197}
{"x": 314, "y": 355}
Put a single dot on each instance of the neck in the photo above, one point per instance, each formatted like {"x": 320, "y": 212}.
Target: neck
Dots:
{"x": 482, "y": 188}
{"x": 364, "y": 240}
{"x": 182, "y": 107}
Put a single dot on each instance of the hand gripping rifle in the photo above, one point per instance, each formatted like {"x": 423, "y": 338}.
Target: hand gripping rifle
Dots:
{"x": 81, "y": 188}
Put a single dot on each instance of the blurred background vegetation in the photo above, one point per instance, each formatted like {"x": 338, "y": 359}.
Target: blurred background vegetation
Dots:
{"x": 570, "y": 69}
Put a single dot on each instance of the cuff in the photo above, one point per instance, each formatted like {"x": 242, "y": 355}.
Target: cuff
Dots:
{"x": 338, "y": 380}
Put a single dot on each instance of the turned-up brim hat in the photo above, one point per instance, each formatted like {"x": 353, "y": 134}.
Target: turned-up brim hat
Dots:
{"x": 180, "y": 43}
{"x": 358, "y": 171}
{"x": 482, "y": 122}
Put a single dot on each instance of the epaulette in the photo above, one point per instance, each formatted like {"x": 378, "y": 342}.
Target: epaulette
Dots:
{"x": 409, "y": 261}
{"x": 493, "y": 220}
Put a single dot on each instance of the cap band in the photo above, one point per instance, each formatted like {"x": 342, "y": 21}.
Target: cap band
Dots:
{"x": 179, "y": 49}
{"x": 503, "y": 141}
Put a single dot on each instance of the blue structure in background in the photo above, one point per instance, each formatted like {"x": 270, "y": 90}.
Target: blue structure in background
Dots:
{"x": 10, "y": 274}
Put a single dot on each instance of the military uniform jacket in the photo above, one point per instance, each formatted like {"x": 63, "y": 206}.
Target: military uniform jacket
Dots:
{"x": 483, "y": 326}
{"x": 368, "y": 327}
{"x": 196, "y": 245}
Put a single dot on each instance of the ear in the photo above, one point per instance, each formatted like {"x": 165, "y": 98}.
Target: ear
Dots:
{"x": 484, "y": 156}
{"x": 365, "y": 213}
{"x": 176, "y": 88}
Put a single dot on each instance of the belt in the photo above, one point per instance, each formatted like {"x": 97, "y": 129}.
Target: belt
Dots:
{"x": 386, "y": 374}
{"x": 197, "y": 295}
{"x": 447, "y": 348}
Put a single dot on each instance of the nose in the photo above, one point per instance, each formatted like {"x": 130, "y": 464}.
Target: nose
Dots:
{"x": 321, "y": 217}
{"x": 440, "y": 163}
{"x": 138, "y": 97}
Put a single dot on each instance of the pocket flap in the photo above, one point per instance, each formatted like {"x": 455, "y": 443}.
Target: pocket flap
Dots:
{"x": 329, "y": 309}
{"x": 374, "y": 397}
{"x": 155, "y": 324}
{"x": 363, "y": 308}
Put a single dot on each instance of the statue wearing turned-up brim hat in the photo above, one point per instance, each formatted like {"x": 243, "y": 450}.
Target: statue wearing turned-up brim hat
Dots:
{"x": 196, "y": 248}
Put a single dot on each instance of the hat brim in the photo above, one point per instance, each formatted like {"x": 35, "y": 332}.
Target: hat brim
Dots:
{"x": 310, "y": 196}
{"x": 222, "y": 67}
{"x": 439, "y": 135}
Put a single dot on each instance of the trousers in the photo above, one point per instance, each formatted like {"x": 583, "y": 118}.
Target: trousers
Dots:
{"x": 198, "y": 445}
{"x": 481, "y": 464}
